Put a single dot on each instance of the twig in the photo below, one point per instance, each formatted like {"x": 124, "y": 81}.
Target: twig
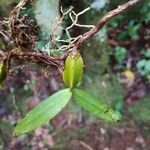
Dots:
{"x": 38, "y": 55}
{"x": 74, "y": 18}
{"x": 56, "y": 61}
{"x": 103, "y": 21}
{"x": 74, "y": 43}
{"x": 74, "y": 21}
{"x": 57, "y": 25}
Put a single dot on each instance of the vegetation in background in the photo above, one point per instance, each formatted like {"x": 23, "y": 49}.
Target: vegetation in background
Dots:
{"x": 99, "y": 78}
{"x": 120, "y": 54}
{"x": 143, "y": 65}
{"x": 140, "y": 110}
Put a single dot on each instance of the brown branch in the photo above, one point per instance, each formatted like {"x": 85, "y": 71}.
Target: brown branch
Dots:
{"x": 56, "y": 61}
{"x": 103, "y": 21}
{"x": 79, "y": 41}
{"x": 37, "y": 55}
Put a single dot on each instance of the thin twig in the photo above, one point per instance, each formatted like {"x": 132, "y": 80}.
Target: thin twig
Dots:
{"x": 57, "y": 25}
{"x": 74, "y": 18}
{"x": 35, "y": 54}
{"x": 56, "y": 61}
{"x": 76, "y": 42}
{"x": 74, "y": 21}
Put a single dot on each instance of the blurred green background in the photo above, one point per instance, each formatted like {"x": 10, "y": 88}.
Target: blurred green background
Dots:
{"x": 117, "y": 70}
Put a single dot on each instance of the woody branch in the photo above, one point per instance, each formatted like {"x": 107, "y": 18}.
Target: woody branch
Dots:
{"x": 79, "y": 41}
{"x": 103, "y": 21}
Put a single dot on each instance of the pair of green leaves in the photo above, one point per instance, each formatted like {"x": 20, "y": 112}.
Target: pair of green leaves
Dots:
{"x": 50, "y": 107}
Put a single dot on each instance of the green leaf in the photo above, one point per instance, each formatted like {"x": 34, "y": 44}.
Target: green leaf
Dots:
{"x": 141, "y": 65}
{"x": 73, "y": 70}
{"x": 95, "y": 106}
{"x": 45, "y": 111}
